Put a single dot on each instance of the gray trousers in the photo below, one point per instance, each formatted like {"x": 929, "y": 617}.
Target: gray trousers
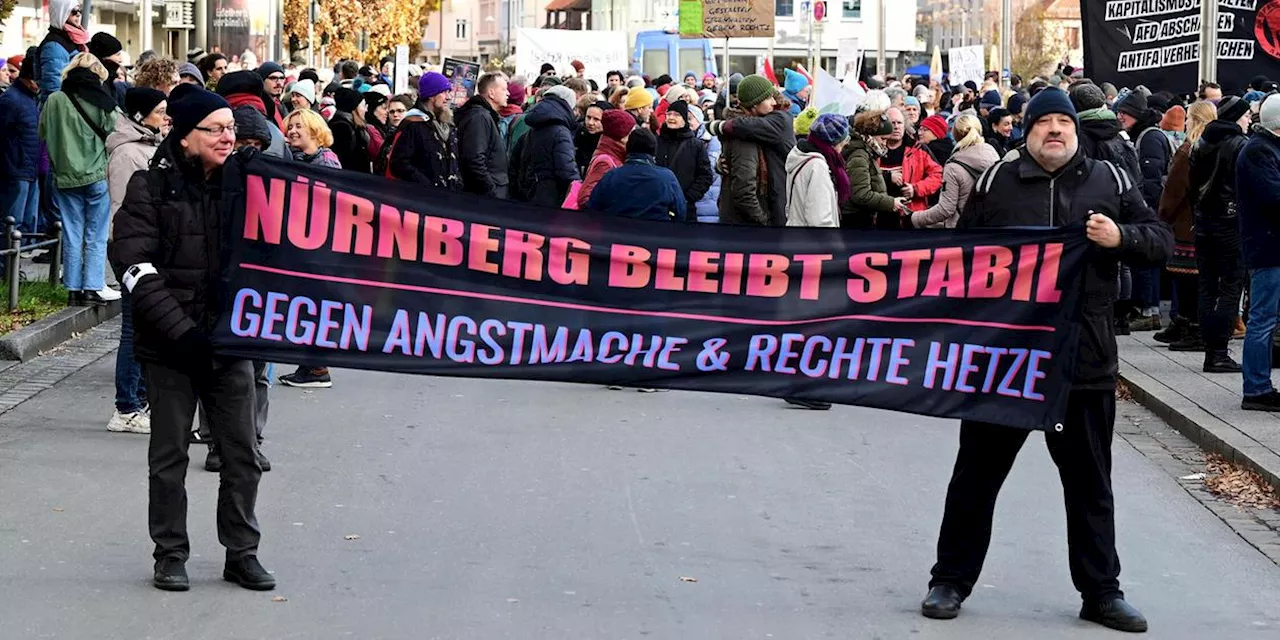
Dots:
{"x": 261, "y": 399}
{"x": 226, "y": 391}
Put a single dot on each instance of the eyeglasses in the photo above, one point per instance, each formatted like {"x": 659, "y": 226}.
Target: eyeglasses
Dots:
{"x": 75, "y": 12}
{"x": 217, "y": 129}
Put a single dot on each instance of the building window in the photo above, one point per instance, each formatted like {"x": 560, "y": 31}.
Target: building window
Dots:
{"x": 460, "y": 30}
{"x": 785, "y": 8}
{"x": 853, "y": 9}
{"x": 1072, "y": 36}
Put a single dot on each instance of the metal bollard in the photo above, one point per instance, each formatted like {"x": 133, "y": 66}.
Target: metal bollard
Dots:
{"x": 55, "y": 265}
{"x": 12, "y": 265}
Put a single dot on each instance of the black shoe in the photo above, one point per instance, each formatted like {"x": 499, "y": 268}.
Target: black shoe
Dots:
{"x": 263, "y": 462}
{"x": 213, "y": 461}
{"x": 1220, "y": 362}
{"x": 1269, "y": 401}
{"x": 307, "y": 379}
{"x": 1122, "y": 327}
{"x": 44, "y": 258}
{"x": 75, "y": 299}
{"x": 93, "y": 299}
{"x": 815, "y": 405}
{"x": 1177, "y": 330}
{"x": 1114, "y": 613}
{"x": 942, "y": 603}
{"x": 248, "y": 573}
{"x": 1190, "y": 343}
{"x": 171, "y": 575}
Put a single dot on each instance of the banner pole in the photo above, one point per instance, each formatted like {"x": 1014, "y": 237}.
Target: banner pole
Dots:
{"x": 726, "y": 58}
{"x": 1208, "y": 42}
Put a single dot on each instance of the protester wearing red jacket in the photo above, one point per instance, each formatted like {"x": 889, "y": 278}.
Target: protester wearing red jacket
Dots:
{"x": 910, "y": 170}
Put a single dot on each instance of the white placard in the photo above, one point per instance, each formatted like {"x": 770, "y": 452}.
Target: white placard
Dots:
{"x": 966, "y": 64}
{"x": 848, "y": 58}
{"x": 832, "y": 96}
{"x": 599, "y": 51}
{"x": 401, "y": 78}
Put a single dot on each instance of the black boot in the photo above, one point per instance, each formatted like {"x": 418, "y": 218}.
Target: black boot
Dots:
{"x": 942, "y": 603}
{"x": 1177, "y": 330}
{"x": 213, "y": 461}
{"x": 1122, "y": 326}
{"x": 171, "y": 575}
{"x": 1218, "y": 361}
{"x": 1188, "y": 343}
{"x": 248, "y": 573}
{"x": 75, "y": 299}
{"x": 263, "y": 462}
{"x": 1114, "y": 613}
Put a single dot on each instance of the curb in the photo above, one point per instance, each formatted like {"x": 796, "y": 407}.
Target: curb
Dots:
{"x": 1201, "y": 427}
{"x": 51, "y": 331}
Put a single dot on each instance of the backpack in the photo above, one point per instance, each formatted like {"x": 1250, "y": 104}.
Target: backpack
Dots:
{"x": 520, "y": 179}
{"x": 505, "y": 123}
{"x": 1169, "y": 144}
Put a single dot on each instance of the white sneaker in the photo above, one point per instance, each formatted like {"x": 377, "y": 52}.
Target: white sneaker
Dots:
{"x": 136, "y": 422}
{"x": 109, "y": 294}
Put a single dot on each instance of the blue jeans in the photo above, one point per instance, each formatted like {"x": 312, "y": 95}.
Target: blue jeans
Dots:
{"x": 1264, "y": 308}
{"x": 86, "y": 214}
{"x": 21, "y": 199}
{"x": 130, "y": 390}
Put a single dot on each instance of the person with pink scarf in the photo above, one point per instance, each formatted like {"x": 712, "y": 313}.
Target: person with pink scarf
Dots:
{"x": 66, "y": 38}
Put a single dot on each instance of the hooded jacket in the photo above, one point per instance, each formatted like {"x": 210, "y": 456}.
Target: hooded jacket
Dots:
{"x": 424, "y": 150}
{"x": 959, "y": 175}
{"x": 811, "y": 194}
{"x": 130, "y": 149}
{"x": 77, "y": 154}
{"x": 686, "y": 156}
{"x": 20, "y": 146}
{"x": 1213, "y": 177}
{"x": 1155, "y": 153}
{"x": 482, "y": 154}
{"x": 546, "y": 156}
{"x": 55, "y": 50}
{"x": 1102, "y": 138}
{"x": 754, "y": 153}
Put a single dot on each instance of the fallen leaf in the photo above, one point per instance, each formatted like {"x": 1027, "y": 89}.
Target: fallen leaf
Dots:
{"x": 279, "y": 599}
{"x": 59, "y": 509}
{"x": 688, "y": 579}
{"x": 351, "y": 536}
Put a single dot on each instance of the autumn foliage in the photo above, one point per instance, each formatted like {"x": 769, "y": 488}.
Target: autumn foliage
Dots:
{"x": 384, "y": 23}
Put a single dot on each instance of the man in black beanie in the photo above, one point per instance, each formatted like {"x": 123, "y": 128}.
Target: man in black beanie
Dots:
{"x": 107, "y": 49}
{"x": 245, "y": 88}
{"x": 1051, "y": 183}
{"x": 172, "y": 271}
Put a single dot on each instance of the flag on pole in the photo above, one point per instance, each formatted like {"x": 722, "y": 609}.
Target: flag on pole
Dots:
{"x": 767, "y": 71}
{"x": 935, "y": 66}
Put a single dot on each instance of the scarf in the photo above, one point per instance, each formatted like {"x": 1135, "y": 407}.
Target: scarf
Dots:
{"x": 510, "y": 110}
{"x": 79, "y": 36}
{"x": 85, "y": 86}
{"x": 612, "y": 148}
{"x": 242, "y": 99}
{"x": 835, "y": 163}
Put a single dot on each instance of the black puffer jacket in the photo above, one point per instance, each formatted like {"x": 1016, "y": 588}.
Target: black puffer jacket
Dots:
{"x": 350, "y": 143}
{"x": 1104, "y": 140}
{"x": 1016, "y": 192}
{"x": 482, "y": 155}
{"x": 686, "y": 156}
{"x": 548, "y": 165}
{"x": 1155, "y": 153}
{"x": 1213, "y": 177}
{"x": 166, "y": 245}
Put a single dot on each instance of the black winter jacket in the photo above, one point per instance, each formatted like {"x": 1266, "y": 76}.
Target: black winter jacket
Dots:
{"x": 350, "y": 143}
{"x": 775, "y": 135}
{"x": 1103, "y": 140}
{"x": 167, "y": 246}
{"x": 686, "y": 156}
{"x": 1017, "y": 192}
{"x": 548, "y": 165}
{"x": 422, "y": 152}
{"x": 1155, "y": 154}
{"x": 1258, "y": 186}
{"x": 1213, "y": 178}
{"x": 482, "y": 154}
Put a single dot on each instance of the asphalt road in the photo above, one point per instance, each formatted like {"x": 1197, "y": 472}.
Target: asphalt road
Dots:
{"x": 522, "y": 510}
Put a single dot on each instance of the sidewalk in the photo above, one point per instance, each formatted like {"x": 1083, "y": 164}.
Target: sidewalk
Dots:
{"x": 1204, "y": 407}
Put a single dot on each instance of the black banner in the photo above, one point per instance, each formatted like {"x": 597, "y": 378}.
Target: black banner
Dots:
{"x": 341, "y": 269}
{"x": 1157, "y": 42}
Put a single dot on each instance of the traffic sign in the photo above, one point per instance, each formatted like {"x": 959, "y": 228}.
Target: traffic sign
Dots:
{"x": 819, "y": 10}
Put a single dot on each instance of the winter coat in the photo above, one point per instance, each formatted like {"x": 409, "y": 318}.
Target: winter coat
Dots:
{"x": 1106, "y": 140}
{"x": 755, "y": 191}
{"x": 957, "y": 186}
{"x": 610, "y": 154}
{"x": 350, "y": 143}
{"x": 811, "y": 194}
{"x": 686, "y": 156}
{"x": 868, "y": 196}
{"x": 482, "y": 154}
{"x": 77, "y": 154}
{"x": 424, "y": 150}
{"x": 376, "y": 139}
{"x": 923, "y": 173}
{"x": 708, "y": 208}
{"x": 171, "y": 223}
{"x": 55, "y": 54}
{"x": 19, "y": 146}
{"x": 941, "y": 149}
{"x": 639, "y": 189}
{"x": 1175, "y": 202}
{"x": 1213, "y": 179}
{"x": 1016, "y": 192}
{"x": 547, "y": 163}
{"x": 1258, "y": 198}
{"x": 129, "y": 150}
{"x": 1155, "y": 152}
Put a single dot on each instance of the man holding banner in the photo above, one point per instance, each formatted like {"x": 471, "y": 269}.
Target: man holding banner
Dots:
{"x": 1052, "y": 183}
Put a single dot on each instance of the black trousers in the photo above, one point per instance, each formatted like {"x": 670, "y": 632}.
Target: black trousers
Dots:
{"x": 261, "y": 402}
{"x": 227, "y": 393}
{"x": 1082, "y": 452}
{"x": 1222, "y": 274}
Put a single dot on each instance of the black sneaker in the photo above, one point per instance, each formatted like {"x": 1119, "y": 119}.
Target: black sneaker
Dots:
{"x": 1177, "y": 330}
{"x": 1114, "y": 613}
{"x": 1269, "y": 401}
{"x": 171, "y": 575}
{"x": 248, "y": 573}
{"x": 1220, "y": 363}
{"x": 306, "y": 379}
{"x": 95, "y": 299}
{"x": 1189, "y": 343}
{"x": 75, "y": 299}
{"x": 813, "y": 405}
{"x": 213, "y": 461}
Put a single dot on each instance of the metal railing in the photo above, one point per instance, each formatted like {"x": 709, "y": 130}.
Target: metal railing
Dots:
{"x": 13, "y": 255}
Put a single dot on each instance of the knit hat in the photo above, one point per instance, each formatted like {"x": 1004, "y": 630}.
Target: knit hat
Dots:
{"x": 240, "y": 82}
{"x": 937, "y": 125}
{"x": 182, "y": 89}
{"x": 804, "y": 121}
{"x": 104, "y": 45}
{"x": 1269, "y": 114}
{"x": 706, "y": 96}
{"x": 911, "y": 101}
{"x": 16, "y": 61}
{"x": 829, "y": 128}
{"x": 562, "y": 92}
{"x": 188, "y": 69}
{"x": 990, "y": 99}
{"x": 1016, "y": 103}
{"x": 1086, "y": 96}
{"x": 1134, "y": 104}
{"x": 662, "y": 80}
{"x": 997, "y": 114}
{"x": 1050, "y": 100}
{"x": 251, "y": 125}
{"x": 708, "y": 76}
{"x": 1231, "y": 109}
{"x": 793, "y": 81}
{"x": 634, "y": 82}
{"x": 546, "y": 66}
{"x": 515, "y": 93}
{"x": 577, "y": 65}
{"x": 690, "y": 74}
{"x": 681, "y": 107}
{"x": 191, "y": 107}
{"x": 347, "y": 100}
{"x": 382, "y": 90}
{"x": 306, "y": 89}
{"x": 753, "y": 90}
{"x": 139, "y": 102}
{"x": 548, "y": 81}
{"x": 617, "y": 123}
{"x": 1109, "y": 90}
{"x": 1175, "y": 119}
{"x": 267, "y": 68}
{"x": 374, "y": 99}
{"x": 637, "y": 99}
{"x": 735, "y": 81}
{"x": 194, "y": 54}
{"x": 432, "y": 84}
{"x": 642, "y": 141}
{"x": 1258, "y": 82}
{"x": 1254, "y": 96}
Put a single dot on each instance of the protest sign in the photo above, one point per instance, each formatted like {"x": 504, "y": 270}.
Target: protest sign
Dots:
{"x": 1157, "y": 42}
{"x": 463, "y": 75}
{"x": 848, "y": 58}
{"x": 727, "y": 18}
{"x": 402, "y": 69}
{"x": 350, "y": 270}
{"x": 599, "y": 51}
{"x": 965, "y": 64}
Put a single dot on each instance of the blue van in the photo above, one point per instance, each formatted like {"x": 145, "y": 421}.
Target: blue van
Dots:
{"x": 659, "y": 52}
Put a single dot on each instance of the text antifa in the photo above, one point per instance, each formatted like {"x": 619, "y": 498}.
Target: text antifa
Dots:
{"x": 311, "y": 216}
{"x": 330, "y": 324}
